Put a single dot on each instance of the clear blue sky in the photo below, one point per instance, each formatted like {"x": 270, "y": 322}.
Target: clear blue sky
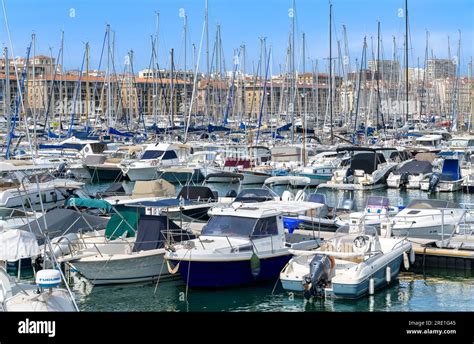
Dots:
{"x": 242, "y": 21}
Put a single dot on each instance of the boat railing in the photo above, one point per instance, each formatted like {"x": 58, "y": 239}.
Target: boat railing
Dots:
{"x": 443, "y": 212}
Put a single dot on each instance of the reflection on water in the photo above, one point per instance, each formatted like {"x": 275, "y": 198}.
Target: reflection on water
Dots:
{"x": 411, "y": 292}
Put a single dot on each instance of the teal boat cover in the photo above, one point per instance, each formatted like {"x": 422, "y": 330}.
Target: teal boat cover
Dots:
{"x": 89, "y": 203}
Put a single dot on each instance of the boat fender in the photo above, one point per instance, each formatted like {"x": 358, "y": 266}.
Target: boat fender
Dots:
{"x": 255, "y": 265}
{"x": 412, "y": 256}
{"x": 406, "y": 261}
{"x": 388, "y": 274}
{"x": 171, "y": 270}
{"x": 371, "y": 286}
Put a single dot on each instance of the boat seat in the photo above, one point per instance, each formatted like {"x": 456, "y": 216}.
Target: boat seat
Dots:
{"x": 287, "y": 196}
{"x": 300, "y": 195}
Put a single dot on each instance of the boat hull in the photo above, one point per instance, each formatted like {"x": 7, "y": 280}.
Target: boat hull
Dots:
{"x": 119, "y": 271}
{"x": 357, "y": 290}
{"x": 98, "y": 174}
{"x": 141, "y": 173}
{"x": 217, "y": 274}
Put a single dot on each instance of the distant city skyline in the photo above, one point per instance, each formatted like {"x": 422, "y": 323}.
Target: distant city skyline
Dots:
{"x": 241, "y": 22}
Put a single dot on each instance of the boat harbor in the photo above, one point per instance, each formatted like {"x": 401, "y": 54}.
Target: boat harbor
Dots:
{"x": 321, "y": 171}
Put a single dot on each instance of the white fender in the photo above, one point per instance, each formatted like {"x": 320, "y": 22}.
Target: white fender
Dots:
{"x": 388, "y": 274}
{"x": 371, "y": 286}
{"x": 406, "y": 262}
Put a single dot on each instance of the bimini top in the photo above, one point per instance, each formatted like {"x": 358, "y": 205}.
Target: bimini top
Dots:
{"x": 432, "y": 204}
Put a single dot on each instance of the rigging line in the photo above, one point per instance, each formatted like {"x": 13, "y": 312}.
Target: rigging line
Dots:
{"x": 195, "y": 84}
{"x": 20, "y": 93}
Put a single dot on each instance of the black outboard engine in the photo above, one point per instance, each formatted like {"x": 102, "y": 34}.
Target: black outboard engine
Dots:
{"x": 319, "y": 275}
{"x": 404, "y": 178}
{"x": 434, "y": 180}
{"x": 349, "y": 177}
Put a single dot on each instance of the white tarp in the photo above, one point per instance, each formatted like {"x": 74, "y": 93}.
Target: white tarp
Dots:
{"x": 16, "y": 244}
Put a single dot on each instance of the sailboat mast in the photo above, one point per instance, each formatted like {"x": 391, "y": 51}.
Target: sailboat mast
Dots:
{"x": 206, "y": 19}
{"x": 63, "y": 101}
{"x": 406, "y": 57}
{"x": 6, "y": 103}
{"x": 172, "y": 88}
{"x": 330, "y": 73}
{"x": 87, "y": 85}
{"x": 185, "y": 100}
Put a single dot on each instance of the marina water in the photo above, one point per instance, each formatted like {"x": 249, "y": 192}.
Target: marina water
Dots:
{"x": 428, "y": 290}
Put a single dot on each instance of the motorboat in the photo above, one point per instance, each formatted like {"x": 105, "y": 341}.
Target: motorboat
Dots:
{"x": 16, "y": 294}
{"x": 366, "y": 169}
{"x": 429, "y": 219}
{"x": 34, "y": 190}
{"x": 108, "y": 165}
{"x": 129, "y": 254}
{"x": 448, "y": 180}
{"x": 410, "y": 174}
{"x": 154, "y": 157}
{"x": 240, "y": 245}
{"x": 354, "y": 263}
{"x": 321, "y": 167}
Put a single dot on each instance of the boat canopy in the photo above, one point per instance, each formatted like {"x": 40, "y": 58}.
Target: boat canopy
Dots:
{"x": 416, "y": 167}
{"x": 17, "y": 244}
{"x": 154, "y": 231}
{"x": 153, "y": 188}
{"x": 89, "y": 203}
{"x": 62, "y": 221}
{"x": 367, "y": 161}
{"x": 201, "y": 193}
{"x": 124, "y": 222}
{"x": 162, "y": 203}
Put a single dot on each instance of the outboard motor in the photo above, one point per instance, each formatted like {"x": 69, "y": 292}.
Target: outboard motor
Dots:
{"x": 404, "y": 178}
{"x": 434, "y": 180}
{"x": 349, "y": 177}
{"x": 319, "y": 275}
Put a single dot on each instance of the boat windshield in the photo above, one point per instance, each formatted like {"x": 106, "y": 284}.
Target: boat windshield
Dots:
{"x": 378, "y": 201}
{"x": 431, "y": 204}
{"x": 461, "y": 143}
{"x": 255, "y": 195}
{"x": 346, "y": 230}
{"x": 233, "y": 226}
{"x": 152, "y": 154}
